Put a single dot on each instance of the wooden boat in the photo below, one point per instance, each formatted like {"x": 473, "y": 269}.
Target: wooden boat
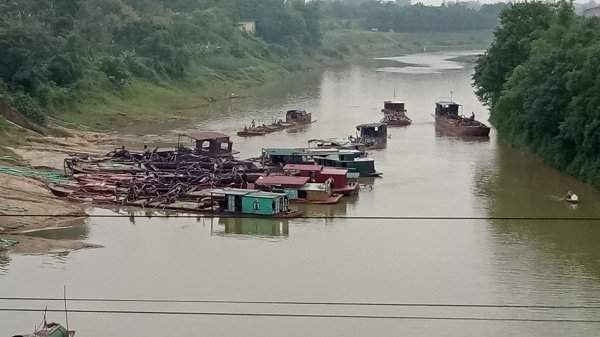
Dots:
{"x": 247, "y": 202}
{"x": 374, "y": 135}
{"x": 50, "y": 330}
{"x": 340, "y": 184}
{"x": 448, "y": 121}
{"x": 60, "y": 190}
{"x": 292, "y": 118}
{"x": 350, "y": 144}
{"x": 354, "y": 160}
{"x": 249, "y": 132}
{"x": 298, "y": 116}
{"x": 394, "y": 114}
{"x": 572, "y": 198}
{"x": 318, "y": 193}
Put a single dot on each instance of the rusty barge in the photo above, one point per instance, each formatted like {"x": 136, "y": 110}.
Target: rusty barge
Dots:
{"x": 394, "y": 114}
{"x": 293, "y": 118}
{"x": 450, "y": 122}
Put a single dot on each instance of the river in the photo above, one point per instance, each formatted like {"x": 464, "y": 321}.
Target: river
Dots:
{"x": 522, "y": 262}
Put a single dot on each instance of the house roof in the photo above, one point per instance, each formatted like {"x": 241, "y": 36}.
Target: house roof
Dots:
{"x": 334, "y": 171}
{"x": 303, "y": 167}
{"x": 265, "y": 195}
{"x": 207, "y": 135}
{"x": 314, "y": 187}
{"x": 227, "y": 191}
{"x": 277, "y": 180}
{"x": 284, "y": 151}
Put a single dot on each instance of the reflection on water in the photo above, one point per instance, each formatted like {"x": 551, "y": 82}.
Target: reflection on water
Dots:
{"x": 426, "y": 63}
{"x": 262, "y": 228}
{"x": 4, "y": 261}
{"x": 520, "y": 185}
{"x": 77, "y": 232}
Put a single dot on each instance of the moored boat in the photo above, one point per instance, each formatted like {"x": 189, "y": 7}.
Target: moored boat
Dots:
{"x": 340, "y": 183}
{"x": 60, "y": 190}
{"x": 450, "y": 122}
{"x": 394, "y": 114}
{"x": 374, "y": 135}
{"x": 292, "y": 118}
{"x": 251, "y": 202}
{"x": 50, "y": 330}
{"x": 354, "y": 160}
{"x": 350, "y": 144}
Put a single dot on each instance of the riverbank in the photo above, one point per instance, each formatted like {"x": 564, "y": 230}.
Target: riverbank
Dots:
{"x": 146, "y": 102}
{"x": 25, "y": 168}
{"x": 142, "y": 106}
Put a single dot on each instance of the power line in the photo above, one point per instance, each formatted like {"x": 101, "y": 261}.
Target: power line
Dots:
{"x": 227, "y": 216}
{"x": 320, "y": 303}
{"x": 269, "y": 314}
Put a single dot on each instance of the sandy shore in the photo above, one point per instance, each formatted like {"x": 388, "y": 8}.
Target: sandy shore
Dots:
{"x": 21, "y": 197}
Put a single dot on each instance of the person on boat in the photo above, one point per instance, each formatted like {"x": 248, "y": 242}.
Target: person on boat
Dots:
{"x": 253, "y": 124}
{"x": 472, "y": 118}
{"x": 146, "y": 152}
{"x": 572, "y": 197}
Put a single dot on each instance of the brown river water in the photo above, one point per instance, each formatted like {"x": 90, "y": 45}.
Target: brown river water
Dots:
{"x": 523, "y": 262}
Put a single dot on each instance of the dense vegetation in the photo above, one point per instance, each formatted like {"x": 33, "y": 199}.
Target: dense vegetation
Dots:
{"x": 56, "y": 55}
{"x": 51, "y": 52}
{"x": 541, "y": 79}
{"x": 400, "y": 16}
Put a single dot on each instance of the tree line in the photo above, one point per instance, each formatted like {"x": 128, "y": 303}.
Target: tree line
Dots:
{"x": 56, "y": 53}
{"x": 52, "y": 52}
{"x": 541, "y": 80}
{"x": 401, "y": 16}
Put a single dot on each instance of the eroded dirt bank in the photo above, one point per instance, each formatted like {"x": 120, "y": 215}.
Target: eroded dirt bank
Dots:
{"x": 26, "y": 204}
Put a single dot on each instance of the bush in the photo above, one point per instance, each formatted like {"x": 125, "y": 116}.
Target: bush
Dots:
{"x": 28, "y": 107}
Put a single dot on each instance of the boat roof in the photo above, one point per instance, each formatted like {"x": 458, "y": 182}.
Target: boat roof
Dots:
{"x": 370, "y": 125}
{"x": 299, "y": 151}
{"x": 228, "y": 191}
{"x": 314, "y": 187}
{"x": 207, "y": 135}
{"x": 446, "y": 102}
{"x": 265, "y": 195}
{"x": 303, "y": 167}
{"x": 284, "y": 151}
{"x": 394, "y": 101}
{"x": 333, "y": 151}
{"x": 334, "y": 171}
{"x": 272, "y": 180}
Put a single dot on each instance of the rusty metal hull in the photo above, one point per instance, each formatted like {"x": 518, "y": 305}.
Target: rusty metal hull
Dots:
{"x": 395, "y": 118}
{"x": 452, "y": 127}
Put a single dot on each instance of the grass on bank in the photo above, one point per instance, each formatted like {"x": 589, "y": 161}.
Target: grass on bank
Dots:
{"x": 142, "y": 101}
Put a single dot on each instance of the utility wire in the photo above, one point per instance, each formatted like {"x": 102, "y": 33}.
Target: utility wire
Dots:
{"x": 270, "y": 314}
{"x": 321, "y": 303}
{"x": 227, "y": 216}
